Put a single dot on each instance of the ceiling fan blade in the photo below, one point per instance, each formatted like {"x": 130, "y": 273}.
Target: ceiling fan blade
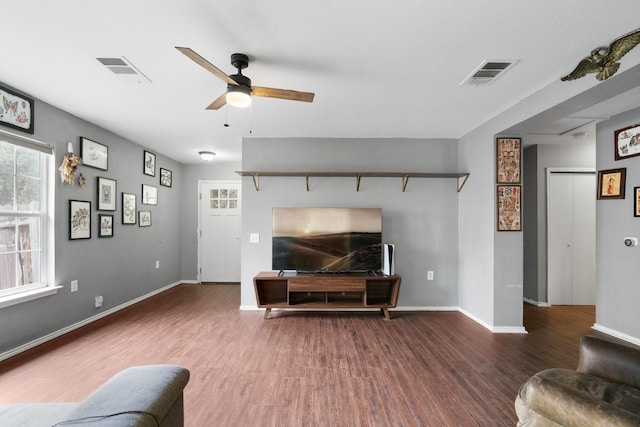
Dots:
{"x": 207, "y": 65}
{"x": 220, "y": 102}
{"x": 269, "y": 92}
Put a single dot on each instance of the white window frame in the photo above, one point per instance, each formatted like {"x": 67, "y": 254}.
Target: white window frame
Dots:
{"x": 47, "y": 285}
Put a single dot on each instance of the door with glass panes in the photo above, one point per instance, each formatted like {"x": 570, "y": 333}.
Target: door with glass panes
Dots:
{"x": 219, "y": 231}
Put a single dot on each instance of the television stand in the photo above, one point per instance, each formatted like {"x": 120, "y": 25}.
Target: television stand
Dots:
{"x": 336, "y": 291}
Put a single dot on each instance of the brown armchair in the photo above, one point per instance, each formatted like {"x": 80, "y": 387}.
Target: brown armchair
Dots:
{"x": 603, "y": 391}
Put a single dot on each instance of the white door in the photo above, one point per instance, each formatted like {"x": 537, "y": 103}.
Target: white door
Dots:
{"x": 571, "y": 238}
{"x": 219, "y": 236}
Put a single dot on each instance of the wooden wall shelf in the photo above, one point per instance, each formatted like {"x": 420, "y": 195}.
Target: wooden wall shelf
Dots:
{"x": 336, "y": 291}
{"x": 461, "y": 177}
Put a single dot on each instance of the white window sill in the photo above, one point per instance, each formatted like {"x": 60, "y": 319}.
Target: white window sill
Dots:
{"x": 21, "y": 297}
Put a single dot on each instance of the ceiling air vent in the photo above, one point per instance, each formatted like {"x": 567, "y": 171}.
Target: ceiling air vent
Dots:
{"x": 488, "y": 71}
{"x": 124, "y": 69}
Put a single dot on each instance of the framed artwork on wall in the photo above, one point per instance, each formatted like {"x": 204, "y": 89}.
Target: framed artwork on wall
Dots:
{"x": 105, "y": 225}
{"x": 16, "y": 111}
{"x": 94, "y": 154}
{"x": 166, "y": 177}
{"x": 149, "y": 164}
{"x": 149, "y": 195}
{"x": 128, "y": 208}
{"x": 627, "y": 142}
{"x": 106, "y": 194}
{"x": 79, "y": 219}
{"x": 509, "y": 212}
{"x": 611, "y": 183}
{"x": 508, "y": 155}
{"x": 144, "y": 219}
{"x": 636, "y": 201}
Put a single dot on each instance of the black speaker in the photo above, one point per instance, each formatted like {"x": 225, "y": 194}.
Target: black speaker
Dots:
{"x": 388, "y": 259}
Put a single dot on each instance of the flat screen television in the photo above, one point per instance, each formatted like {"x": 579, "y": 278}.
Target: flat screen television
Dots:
{"x": 327, "y": 240}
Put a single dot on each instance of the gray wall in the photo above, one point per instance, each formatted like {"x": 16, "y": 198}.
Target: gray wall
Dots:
{"x": 120, "y": 268}
{"x": 421, "y": 222}
{"x": 618, "y": 267}
{"x": 537, "y": 159}
{"x": 189, "y": 191}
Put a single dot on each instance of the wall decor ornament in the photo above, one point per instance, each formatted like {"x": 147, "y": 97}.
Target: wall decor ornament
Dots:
{"x": 94, "y": 154}
{"x": 70, "y": 163}
{"x": 105, "y": 225}
{"x": 16, "y": 111}
{"x": 636, "y": 201}
{"x": 509, "y": 212}
{"x": 611, "y": 183}
{"x": 627, "y": 142}
{"x": 508, "y": 155}
{"x": 106, "y": 194}
{"x": 166, "y": 177}
{"x": 129, "y": 208}
{"x": 149, "y": 164}
{"x": 79, "y": 219}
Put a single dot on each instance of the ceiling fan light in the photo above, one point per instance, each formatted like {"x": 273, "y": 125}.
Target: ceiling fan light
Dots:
{"x": 207, "y": 156}
{"x": 239, "y": 96}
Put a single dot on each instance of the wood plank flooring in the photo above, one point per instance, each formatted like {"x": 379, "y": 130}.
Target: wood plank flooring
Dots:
{"x": 306, "y": 368}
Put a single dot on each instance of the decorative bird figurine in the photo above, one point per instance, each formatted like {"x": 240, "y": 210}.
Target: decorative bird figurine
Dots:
{"x": 605, "y": 60}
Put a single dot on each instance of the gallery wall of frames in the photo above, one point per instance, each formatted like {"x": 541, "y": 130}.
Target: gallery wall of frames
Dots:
{"x": 133, "y": 209}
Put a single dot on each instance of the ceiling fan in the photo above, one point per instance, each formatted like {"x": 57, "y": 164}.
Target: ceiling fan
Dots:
{"x": 239, "y": 88}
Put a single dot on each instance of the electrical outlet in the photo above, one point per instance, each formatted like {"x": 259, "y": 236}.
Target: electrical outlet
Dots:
{"x": 430, "y": 275}
{"x": 99, "y": 301}
{"x": 254, "y": 238}
{"x": 74, "y": 286}
{"x": 157, "y": 265}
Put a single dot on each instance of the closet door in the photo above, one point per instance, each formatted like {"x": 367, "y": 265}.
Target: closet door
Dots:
{"x": 571, "y": 238}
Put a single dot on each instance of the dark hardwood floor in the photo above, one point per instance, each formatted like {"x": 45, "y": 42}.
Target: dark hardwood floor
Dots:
{"x": 306, "y": 368}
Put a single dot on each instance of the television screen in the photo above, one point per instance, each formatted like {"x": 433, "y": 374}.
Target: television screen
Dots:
{"x": 327, "y": 239}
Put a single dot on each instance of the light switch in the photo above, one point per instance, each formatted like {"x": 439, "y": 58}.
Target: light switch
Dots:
{"x": 254, "y": 238}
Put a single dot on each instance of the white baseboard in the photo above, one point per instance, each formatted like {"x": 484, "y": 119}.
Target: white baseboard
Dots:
{"x": 617, "y": 334}
{"x": 536, "y": 303}
{"x": 60, "y": 332}
{"x": 494, "y": 329}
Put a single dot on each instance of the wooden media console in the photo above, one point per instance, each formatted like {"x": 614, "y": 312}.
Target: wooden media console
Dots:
{"x": 338, "y": 291}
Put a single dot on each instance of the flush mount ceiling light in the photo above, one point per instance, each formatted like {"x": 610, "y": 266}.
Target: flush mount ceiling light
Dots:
{"x": 207, "y": 156}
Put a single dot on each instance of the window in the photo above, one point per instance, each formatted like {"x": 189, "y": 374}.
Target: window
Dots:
{"x": 24, "y": 217}
{"x": 223, "y": 198}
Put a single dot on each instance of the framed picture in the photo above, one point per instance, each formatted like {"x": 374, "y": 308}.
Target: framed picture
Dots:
{"x": 508, "y": 155}
{"x": 94, "y": 154}
{"x": 627, "y": 142}
{"x": 149, "y": 195}
{"x": 106, "y": 194}
{"x": 16, "y": 111}
{"x": 636, "y": 201}
{"x": 79, "y": 219}
{"x": 509, "y": 212}
{"x": 144, "y": 218}
{"x": 611, "y": 183}
{"x": 149, "y": 165}
{"x": 128, "y": 208}
{"x": 105, "y": 225}
{"x": 166, "y": 177}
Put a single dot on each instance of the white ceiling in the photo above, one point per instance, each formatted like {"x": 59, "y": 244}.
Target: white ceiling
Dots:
{"x": 378, "y": 68}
